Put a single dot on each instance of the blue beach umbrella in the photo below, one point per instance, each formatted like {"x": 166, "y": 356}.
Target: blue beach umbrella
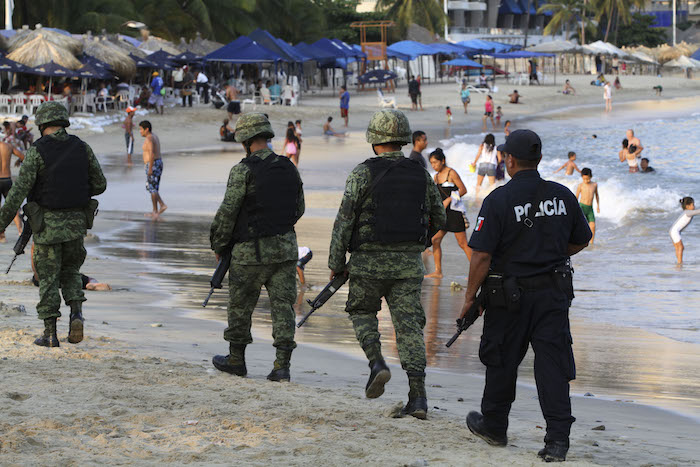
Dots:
{"x": 377, "y": 76}
{"x": 52, "y": 70}
{"x": 463, "y": 62}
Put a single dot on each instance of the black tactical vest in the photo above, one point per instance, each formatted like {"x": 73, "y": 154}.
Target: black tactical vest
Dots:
{"x": 397, "y": 204}
{"x": 63, "y": 184}
{"x": 270, "y": 206}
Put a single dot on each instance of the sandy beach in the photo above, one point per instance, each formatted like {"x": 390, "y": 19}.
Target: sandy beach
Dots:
{"x": 141, "y": 389}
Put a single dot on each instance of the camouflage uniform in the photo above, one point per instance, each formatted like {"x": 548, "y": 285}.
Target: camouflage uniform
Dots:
{"x": 274, "y": 267}
{"x": 59, "y": 251}
{"x": 393, "y": 271}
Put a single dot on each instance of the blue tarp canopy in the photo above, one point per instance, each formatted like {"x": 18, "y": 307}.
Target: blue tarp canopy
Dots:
{"x": 271, "y": 43}
{"x": 412, "y": 49}
{"x": 398, "y": 55}
{"x": 131, "y": 40}
{"x": 320, "y": 55}
{"x": 510, "y": 7}
{"x": 452, "y": 49}
{"x": 696, "y": 55}
{"x": 523, "y": 6}
{"x": 352, "y": 51}
{"x": 343, "y": 55}
{"x": 519, "y": 54}
{"x": 462, "y": 62}
{"x": 487, "y": 46}
{"x": 243, "y": 50}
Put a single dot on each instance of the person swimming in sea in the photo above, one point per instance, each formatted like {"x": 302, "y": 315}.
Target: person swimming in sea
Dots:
{"x": 689, "y": 211}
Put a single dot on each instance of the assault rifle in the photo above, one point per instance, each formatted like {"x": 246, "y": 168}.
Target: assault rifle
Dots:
{"x": 22, "y": 241}
{"x": 464, "y": 323}
{"x": 218, "y": 277}
{"x": 327, "y": 292}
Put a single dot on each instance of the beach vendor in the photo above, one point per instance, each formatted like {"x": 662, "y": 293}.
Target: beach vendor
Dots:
{"x": 264, "y": 200}
{"x": 383, "y": 221}
{"x": 524, "y": 235}
{"x": 59, "y": 176}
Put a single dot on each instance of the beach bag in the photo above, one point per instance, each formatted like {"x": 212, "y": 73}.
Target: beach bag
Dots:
{"x": 162, "y": 91}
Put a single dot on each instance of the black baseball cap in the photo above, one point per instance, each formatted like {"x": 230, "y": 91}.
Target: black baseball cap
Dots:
{"x": 523, "y": 144}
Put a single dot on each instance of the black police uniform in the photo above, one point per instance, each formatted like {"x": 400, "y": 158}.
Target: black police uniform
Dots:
{"x": 530, "y": 304}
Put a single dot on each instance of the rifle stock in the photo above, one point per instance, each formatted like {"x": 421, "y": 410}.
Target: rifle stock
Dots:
{"x": 216, "y": 281}
{"x": 327, "y": 292}
{"x": 22, "y": 241}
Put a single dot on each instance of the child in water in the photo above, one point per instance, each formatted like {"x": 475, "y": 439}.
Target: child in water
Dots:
{"x": 585, "y": 193}
{"x": 689, "y": 211}
{"x": 570, "y": 165}
{"x": 499, "y": 115}
{"x": 448, "y": 112}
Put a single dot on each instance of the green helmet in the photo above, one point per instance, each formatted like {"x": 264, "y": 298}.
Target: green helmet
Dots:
{"x": 251, "y": 125}
{"x": 389, "y": 126}
{"x": 52, "y": 112}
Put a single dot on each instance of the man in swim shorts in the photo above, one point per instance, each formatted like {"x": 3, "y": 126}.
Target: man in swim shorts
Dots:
{"x": 153, "y": 166}
{"x": 6, "y": 152}
{"x": 585, "y": 192}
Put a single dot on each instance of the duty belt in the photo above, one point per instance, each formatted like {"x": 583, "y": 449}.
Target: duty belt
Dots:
{"x": 539, "y": 281}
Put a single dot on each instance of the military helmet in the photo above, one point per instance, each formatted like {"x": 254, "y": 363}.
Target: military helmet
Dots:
{"x": 52, "y": 112}
{"x": 252, "y": 125}
{"x": 389, "y": 126}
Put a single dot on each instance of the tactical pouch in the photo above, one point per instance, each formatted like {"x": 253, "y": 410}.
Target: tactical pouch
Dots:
{"x": 512, "y": 294}
{"x": 494, "y": 294}
{"x": 564, "y": 277}
{"x": 35, "y": 215}
{"x": 91, "y": 212}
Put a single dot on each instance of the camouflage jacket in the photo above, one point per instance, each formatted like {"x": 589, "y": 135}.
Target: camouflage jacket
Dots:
{"x": 393, "y": 261}
{"x": 275, "y": 249}
{"x": 60, "y": 226}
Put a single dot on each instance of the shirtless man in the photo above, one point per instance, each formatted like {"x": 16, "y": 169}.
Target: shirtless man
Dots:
{"x": 634, "y": 141}
{"x": 6, "y": 151}
{"x": 154, "y": 167}
{"x": 586, "y": 191}
{"x": 234, "y": 106}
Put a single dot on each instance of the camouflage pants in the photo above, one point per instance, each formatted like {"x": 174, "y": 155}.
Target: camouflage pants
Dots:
{"x": 58, "y": 265}
{"x": 244, "y": 286}
{"x": 403, "y": 297}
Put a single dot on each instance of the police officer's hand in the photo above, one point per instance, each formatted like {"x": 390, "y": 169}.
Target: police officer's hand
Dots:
{"x": 468, "y": 302}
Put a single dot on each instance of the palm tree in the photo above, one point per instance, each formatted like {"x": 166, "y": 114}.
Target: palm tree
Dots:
{"x": 293, "y": 20}
{"x": 565, "y": 14}
{"x": 426, "y": 13}
{"x": 615, "y": 8}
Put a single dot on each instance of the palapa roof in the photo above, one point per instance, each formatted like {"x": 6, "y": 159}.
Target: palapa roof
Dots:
{"x": 153, "y": 44}
{"x": 40, "y": 50}
{"x": 112, "y": 54}
{"x": 126, "y": 46}
{"x": 63, "y": 41}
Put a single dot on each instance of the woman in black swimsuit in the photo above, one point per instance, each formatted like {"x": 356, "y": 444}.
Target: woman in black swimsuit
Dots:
{"x": 448, "y": 181}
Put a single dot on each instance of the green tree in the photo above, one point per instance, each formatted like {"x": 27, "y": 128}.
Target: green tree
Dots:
{"x": 293, "y": 20}
{"x": 426, "y": 13}
{"x": 565, "y": 13}
{"x": 619, "y": 9}
{"x": 640, "y": 32}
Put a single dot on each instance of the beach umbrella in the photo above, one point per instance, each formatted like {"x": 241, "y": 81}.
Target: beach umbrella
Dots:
{"x": 94, "y": 62}
{"x": 153, "y": 44}
{"x": 143, "y": 62}
{"x": 161, "y": 56}
{"x": 11, "y": 66}
{"x": 59, "y": 39}
{"x": 40, "y": 50}
{"x": 188, "y": 57}
{"x": 89, "y": 71}
{"x": 52, "y": 70}
{"x": 115, "y": 57}
{"x": 556, "y": 47}
{"x": 683, "y": 62}
{"x": 377, "y": 76}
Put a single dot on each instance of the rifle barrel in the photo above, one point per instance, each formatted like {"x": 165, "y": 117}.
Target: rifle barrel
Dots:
{"x": 206, "y": 300}
{"x": 10, "y": 266}
{"x": 453, "y": 339}
{"x": 305, "y": 317}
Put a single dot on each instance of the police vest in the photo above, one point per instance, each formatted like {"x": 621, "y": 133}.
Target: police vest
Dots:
{"x": 63, "y": 184}
{"x": 397, "y": 204}
{"x": 270, "y": 205}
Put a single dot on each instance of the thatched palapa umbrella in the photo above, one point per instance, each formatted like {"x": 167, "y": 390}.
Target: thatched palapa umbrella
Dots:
{"x": 111, "y": 54}
{"x": 154, "y": 44}
{"x": 26, "y": 35}
{"x": 40, "y": 50}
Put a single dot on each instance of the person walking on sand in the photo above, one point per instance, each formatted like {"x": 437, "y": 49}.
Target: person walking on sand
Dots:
{"x": 6, "y": 152}
{"x": 689, "y": 211}
{"x": 154, "y": 167}
{"x": 344, "y": 104}
{"x": 488, "y": 112}
{"x": 129, "y": 133}
{"x": 255, "y": 223}
{"x": 388, "y": 206}
{"x": 585, "y": 193}
{"x": 490, "y": 158}
{"x": 607, "y": 95}
{"x": 456, "y": 221}
{"x": 413, "y": 89}
{"x": 291, "y": 146}
{"x": 59, "y": 176}
{"x": 464, "y": 95}
{"x": 420, "y": 142}
{"x": 156, "y": 99}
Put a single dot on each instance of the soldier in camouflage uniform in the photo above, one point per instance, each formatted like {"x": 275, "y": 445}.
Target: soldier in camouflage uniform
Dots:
{"x": 255, "y": 222}
{"x": 389, "y": 209}
{"x": 59, "y": 176}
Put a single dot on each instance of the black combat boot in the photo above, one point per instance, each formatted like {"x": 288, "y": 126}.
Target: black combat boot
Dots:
{"x": 280, "y": 370}
{"x": 279, "y": 375}
{"x": 417, "y": 401}
{"x": 554, "y": 451}
{"x": 49, "y": 338}
{"x": 75, "y": 326}
{"x": 233, "y": 363}
{"x": 475, "y": 423}
{"x": 416, "y": 407}
{"x": 378, "y": 377}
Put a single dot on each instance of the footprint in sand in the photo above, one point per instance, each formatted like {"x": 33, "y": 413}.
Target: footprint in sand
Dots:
{"x": 16, "y": 396}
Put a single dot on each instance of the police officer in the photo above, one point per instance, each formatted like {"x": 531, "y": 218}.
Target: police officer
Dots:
{"x": 389, "y": 210}
{"x": 59, "y": 176}
{"x": 524, "y": 235}
{"x": 255, "y": 222}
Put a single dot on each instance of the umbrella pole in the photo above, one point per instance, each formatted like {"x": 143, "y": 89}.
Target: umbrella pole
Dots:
{"x": 50, "y": 83}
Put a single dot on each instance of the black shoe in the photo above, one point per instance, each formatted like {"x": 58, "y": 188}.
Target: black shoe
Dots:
{"x": 280, "y": 375}
{"x": 417, "y": 407}
{"x": 75, "y": 325}
{"x": 554, "y": 451}
{"x": 221, "y": 362}
{"x": 475, "y": 423}
{"x": 50, "y": 340}
{"x": 378, "y": 377}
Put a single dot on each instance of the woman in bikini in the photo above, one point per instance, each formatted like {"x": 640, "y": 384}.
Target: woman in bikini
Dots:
{"x": 447, "y": 181}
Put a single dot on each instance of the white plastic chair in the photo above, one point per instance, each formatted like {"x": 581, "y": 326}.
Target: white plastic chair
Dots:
{"x": 250, "y": 102}
{"x": 6, "y": 103}
{"x": 123, "y": 100}
{"x": 104, "y": 102}
{"x": 385, "y": 101}
{"x": 18, "y": 103}
{"x": 77, "y": 102}
{"x": 33, "y": 102}
{"x": 90, "y": 102}
{"x": 196, "y": 98}
{"x": 288, "y": 96}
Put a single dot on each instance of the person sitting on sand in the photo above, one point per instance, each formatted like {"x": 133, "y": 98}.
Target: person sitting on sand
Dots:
{"x": 329, "y": 131}
{"x": 644, "y": 166}
{"x": 89, "y": 283}
{"x": 617, "y": 83}
{"x": 570, "y": 165}
{"x": 689, "y": 211}
{"x": 227, "y": 133}
{"x": 568, "y": 88}
{"x": 586, "y": 191}
{"x": 514, "y": 97}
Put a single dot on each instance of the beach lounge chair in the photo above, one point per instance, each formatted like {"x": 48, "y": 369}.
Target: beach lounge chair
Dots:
{"x": 385, "y": 101}
{"x": 473, "y": 88}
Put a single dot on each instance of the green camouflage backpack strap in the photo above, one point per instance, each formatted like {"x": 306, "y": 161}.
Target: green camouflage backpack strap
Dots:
{"x": 251, "y": 125}
{"x": 52, "y": 112}
{"x": 389, "y": 126}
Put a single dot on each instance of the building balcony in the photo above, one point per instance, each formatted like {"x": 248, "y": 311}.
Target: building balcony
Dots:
{"x": 469, "y": 6}
{"x": 494, "y": 31}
